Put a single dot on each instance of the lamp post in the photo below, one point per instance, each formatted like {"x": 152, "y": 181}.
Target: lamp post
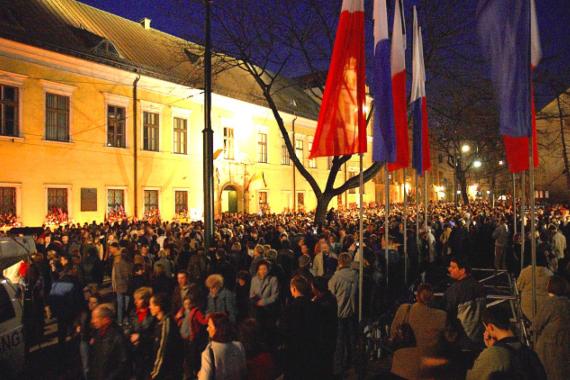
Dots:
{"x": 208, "y": 135}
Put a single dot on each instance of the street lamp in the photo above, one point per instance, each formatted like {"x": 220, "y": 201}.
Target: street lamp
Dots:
{"x": 465, "y": 148}
{"x": 501, "y": 162}
{"x": 477, "y": 164}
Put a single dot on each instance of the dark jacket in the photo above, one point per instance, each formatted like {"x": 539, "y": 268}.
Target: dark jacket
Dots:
{"x": 328, "y": 328}
{"x": 121, "y": 276}
{"x": 300, "y": 328}
{"x": 91, "y": 269}
{"x": 143, "y": 351}
{"x": 465, "y": 300}
{"x": 108, "y": 355}
{"x": 167, "y": 351}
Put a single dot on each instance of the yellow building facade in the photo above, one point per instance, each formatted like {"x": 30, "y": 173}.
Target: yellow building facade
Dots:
{"x": 76, "y": 130}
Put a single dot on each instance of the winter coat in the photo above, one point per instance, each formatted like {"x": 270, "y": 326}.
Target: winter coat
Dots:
{"x": 552, "y": 329}
{"x": 228, "y": 362}
{"x": 224, "y": 302}
{"x": 168, "y": 353}
{"x": 524, "y": 285}
{"x": 501, "y": 235}
{"x": 266, "y": 291}
{"x": 300, "y": 326}
{"x": 343, "y": 285}
{"x": 426, "y": 323}
{"x": 465, "y": 300}
{"x": 108, "y": 355}
{"x": 121, "y": 276}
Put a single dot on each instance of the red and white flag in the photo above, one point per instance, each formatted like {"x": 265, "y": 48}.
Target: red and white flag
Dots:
{"x": 398, "y": 62}
{"x": 341, "y": 127}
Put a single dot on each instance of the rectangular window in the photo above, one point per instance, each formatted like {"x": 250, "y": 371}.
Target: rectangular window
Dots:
{"x": 115, "y": 199}
{"x": 300, "y": 201}
{"x": 57, "y": 199}
{"x": 180, "y": 135}
{"x": 299, "y": 149}
{"x": 180, "y": 201}
{"x": 312, "y": 161}
{"x": 352, "y": 173}
{"x": 150, "y": 200}
{"x": 7, "y": 200}
{"x": 228, "y": 143}
{"x": 116, "y": 126}
{"x": 7, "y": 311}
{"x": 150, "y": 131}
{"x": 262, "y": 147}
{"x": 263, "y": 198}
{"x": 57, "y": 117}
{"x": 9, "y": 111}
{"x": 285, "y": 159}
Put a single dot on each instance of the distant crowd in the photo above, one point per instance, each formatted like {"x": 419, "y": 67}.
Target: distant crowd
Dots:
{"x": 277, "y": 295}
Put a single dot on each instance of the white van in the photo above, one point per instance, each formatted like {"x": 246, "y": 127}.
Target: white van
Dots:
{"x": 12, "y": 345}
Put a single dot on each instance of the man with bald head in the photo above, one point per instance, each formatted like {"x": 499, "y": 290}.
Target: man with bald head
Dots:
{"x": 108, "y": 354}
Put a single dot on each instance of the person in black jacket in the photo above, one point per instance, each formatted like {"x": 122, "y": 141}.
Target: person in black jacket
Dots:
{"x": 168, "y": 350}
{"x": 91, "y": 267}
{"x": 300, "y": 328}
{"x": 326, "y": 302}
{"x": 108, "y": 352}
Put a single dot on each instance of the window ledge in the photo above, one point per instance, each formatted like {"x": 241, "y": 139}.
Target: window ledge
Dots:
{"x": 56, "y": 142}
{"x": 115, "y": 147}
{"x": 12, "y": 138}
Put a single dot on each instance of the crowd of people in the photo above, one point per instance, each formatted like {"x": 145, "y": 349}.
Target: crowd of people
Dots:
{"x": 277, "y": 295}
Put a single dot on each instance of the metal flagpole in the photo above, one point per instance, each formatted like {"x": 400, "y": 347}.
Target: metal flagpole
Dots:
{"x": 361, "y": 240}
{"x": 417, "y": 211}
{"x": 522, "y": 212}
{"x": 386, "y": 220}
{"x": 514, "y": 204}
{"x": 426, "y": 201}
{"x": 405, "y": 214}
{"x": 532, "y": 225}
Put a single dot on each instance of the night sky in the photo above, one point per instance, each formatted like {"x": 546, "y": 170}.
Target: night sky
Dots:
{"x": 183, "y": 18}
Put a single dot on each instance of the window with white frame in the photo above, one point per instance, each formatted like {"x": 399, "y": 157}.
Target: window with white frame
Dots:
{"x": 285, "y": 159}
{"x": 115, "y": 199}
{"x": 57, "y": 117}
{"x": 262, "y": 147}
{"x": 116, "y": 117}
{"x": 180, "y": 135}
{"x": 181, "y": 201}
{"x": 352, "y": 173}
{"x": 312, "y": 161}
{"x": 57, "y": 199}
{"x": 7, "y": 201}
{"x": 150, "y": 200}
{"x": 228, "y": 143}
{"x": 151, "y": 129}
{"x": 9, "y": 123}
{"x": 299, "y": 148}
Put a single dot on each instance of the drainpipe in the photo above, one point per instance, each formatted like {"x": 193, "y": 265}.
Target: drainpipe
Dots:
{"x": 294, "y": 180}
{"x": 135, "y": 148}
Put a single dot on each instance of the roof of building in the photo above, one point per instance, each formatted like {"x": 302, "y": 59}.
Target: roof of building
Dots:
{"x": 73, "y": 28}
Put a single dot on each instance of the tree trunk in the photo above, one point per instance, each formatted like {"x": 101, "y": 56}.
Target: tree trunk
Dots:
{"x": 322, "y": 207}
{"x": 564, "y": 146}
{"x": 463, "y": 186}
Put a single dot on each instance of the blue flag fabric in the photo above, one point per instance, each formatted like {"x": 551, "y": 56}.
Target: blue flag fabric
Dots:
{"x": 504, "y": 30}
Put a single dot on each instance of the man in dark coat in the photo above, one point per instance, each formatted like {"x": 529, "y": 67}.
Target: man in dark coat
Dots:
{"x": 326, "y": 302}
{"x": 108, "y": 352}
{"x": 168, "y": 347}
{"x": 300, "y": 326}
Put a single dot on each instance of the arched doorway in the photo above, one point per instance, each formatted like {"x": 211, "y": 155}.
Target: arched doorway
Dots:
{"x": 229, "y": 199}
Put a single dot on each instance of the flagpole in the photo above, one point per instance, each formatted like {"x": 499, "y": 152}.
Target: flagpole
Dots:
{"x": 426, "y": 202}
{"x": 386, "y": 220}
{"x": 514, "y": 204}
{"x": 417, "y": 212}
{"x": 523, "y": 225}
{"x": 405, "y": 231}
{"x": 361, "y": 240}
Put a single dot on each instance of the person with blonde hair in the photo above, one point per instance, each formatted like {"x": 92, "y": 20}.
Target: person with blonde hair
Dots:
{"x": 220, "y": 299}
